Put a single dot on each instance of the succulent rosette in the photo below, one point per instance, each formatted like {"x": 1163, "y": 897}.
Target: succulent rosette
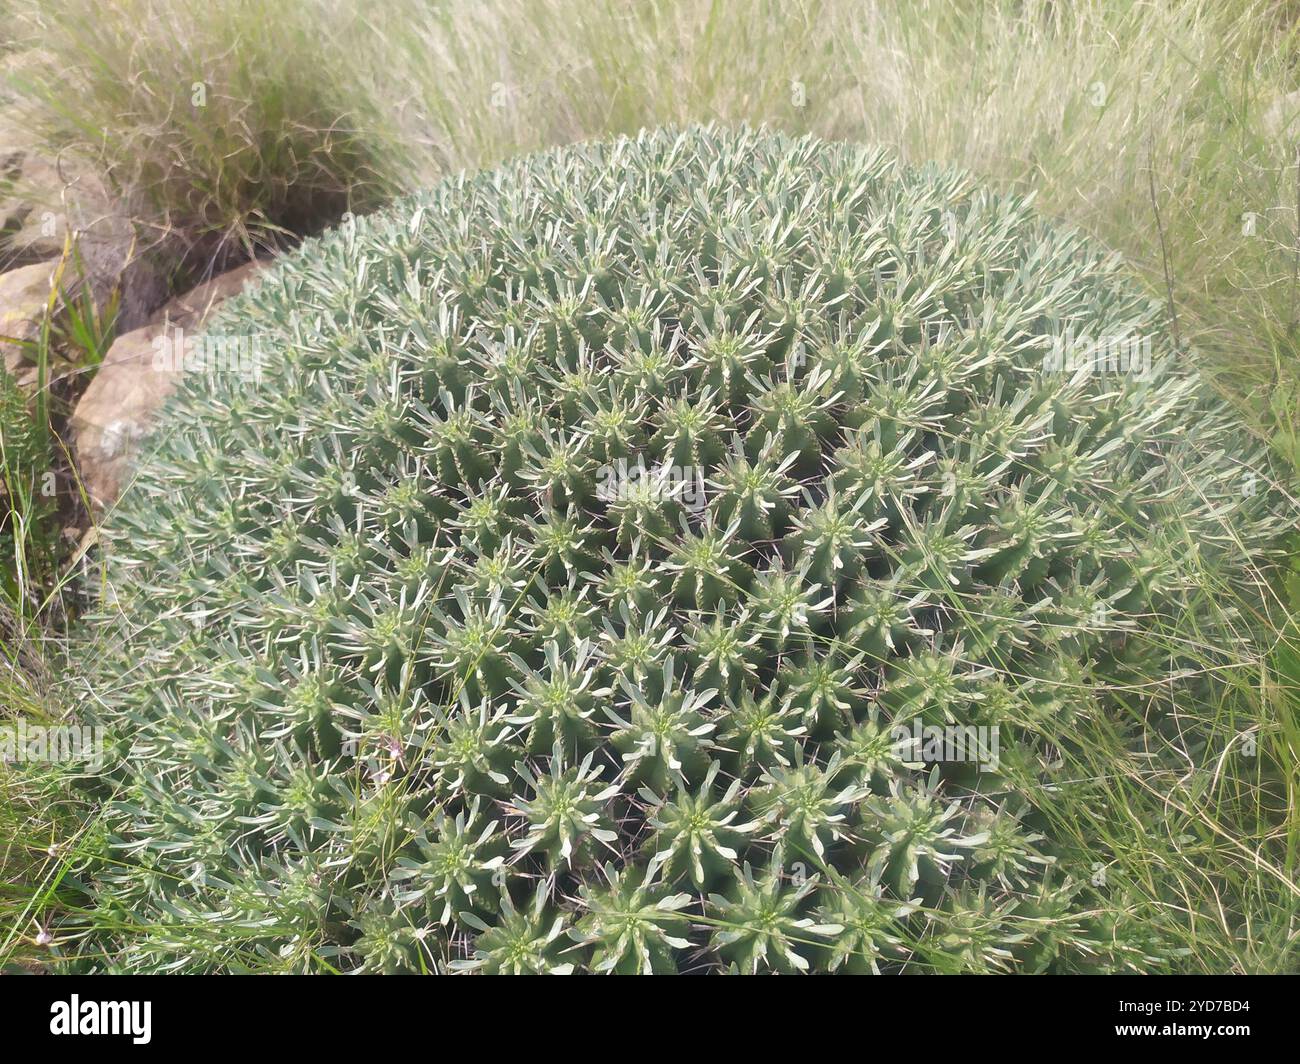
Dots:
{"x": 599, "y": 566}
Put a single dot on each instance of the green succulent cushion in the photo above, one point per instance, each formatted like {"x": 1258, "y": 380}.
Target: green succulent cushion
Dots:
{"x": 580, "y": 579}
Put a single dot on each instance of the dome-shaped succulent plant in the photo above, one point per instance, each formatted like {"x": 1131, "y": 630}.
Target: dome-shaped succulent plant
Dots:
{"x": 659, "y": 554}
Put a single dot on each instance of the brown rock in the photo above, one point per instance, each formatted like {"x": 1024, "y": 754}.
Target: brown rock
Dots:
{"x": 139, "y": 372}
{"x": 39, "y": 195}
{"x": 36, "y": 206}
{"x": 24, "y": 295}
{"x": 190, "y": 309}
{"x": 45, "y": 197}
{"x": 117, "y": 409}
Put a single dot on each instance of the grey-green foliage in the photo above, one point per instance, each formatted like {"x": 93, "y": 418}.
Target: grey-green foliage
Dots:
{"x": 399, "y": 684}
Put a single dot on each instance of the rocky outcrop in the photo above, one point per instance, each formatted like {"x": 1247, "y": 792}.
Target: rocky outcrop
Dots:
{"x": 47, "y": 197}
{"x": 37, "y": 195}
{"x": 139, "y": 372}
{"x": 24, "y": 297}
